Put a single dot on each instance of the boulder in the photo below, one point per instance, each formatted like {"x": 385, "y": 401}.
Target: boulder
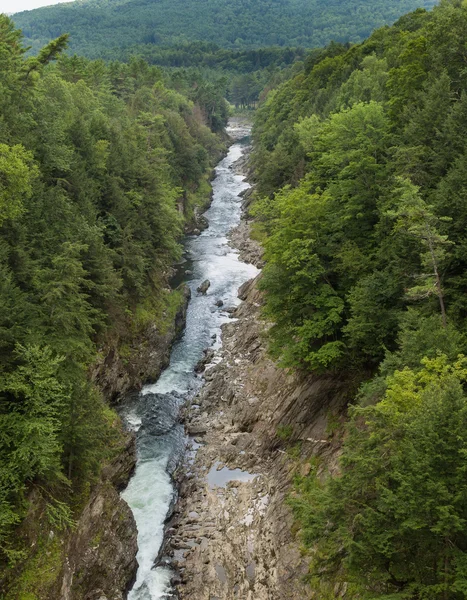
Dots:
{"x": 201, "y": 364}
{"x": 203, "y": 288}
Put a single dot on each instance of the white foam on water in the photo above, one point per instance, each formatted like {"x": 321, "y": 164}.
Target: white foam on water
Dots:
{"x": 149, "y": 494}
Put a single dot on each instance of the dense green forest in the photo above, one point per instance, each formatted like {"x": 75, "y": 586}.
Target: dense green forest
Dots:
{"x": 360, "y": 159}
{"x": 361, "y": 164}
{"x": 207, "y": 55}
{"x": 99, "y": 25}
{"x": 100, "y": 166}
{"x": 242, "y": 73}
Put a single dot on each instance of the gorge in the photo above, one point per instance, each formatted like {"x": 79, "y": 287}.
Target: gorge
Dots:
{"x": 155, "y": 414}
{"x": 287, "y": 353}
{"x": 225, "y": 532}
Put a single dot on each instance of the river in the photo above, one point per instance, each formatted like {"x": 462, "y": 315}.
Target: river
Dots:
{"x": 161, "y": 441}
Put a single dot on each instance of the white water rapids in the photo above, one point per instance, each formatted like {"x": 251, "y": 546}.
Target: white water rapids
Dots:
{"x": 160, "y": 438}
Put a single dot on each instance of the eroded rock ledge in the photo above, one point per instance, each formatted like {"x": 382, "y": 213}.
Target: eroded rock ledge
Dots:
{"x": 116, "y": 374}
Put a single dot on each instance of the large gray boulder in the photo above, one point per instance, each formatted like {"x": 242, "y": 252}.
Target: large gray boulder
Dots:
{"x": 203, "y": 288}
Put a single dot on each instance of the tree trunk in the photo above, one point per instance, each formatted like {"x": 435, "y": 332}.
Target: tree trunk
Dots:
{"x": 439, "y": 289}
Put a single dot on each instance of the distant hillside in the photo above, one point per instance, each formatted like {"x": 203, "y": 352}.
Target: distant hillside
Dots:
{"x": 98, "y": 25}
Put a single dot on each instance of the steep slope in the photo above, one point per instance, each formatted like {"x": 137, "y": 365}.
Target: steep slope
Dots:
{"x": 360, "y": 170}
{"x": 97, "y": 181}
{"x": 95, "y": 25}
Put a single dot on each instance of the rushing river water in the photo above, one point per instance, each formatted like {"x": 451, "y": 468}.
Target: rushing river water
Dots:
{"x": 161, "y": 441}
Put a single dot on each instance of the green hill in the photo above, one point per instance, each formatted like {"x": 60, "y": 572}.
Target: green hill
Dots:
{"x": 98, "y": 25}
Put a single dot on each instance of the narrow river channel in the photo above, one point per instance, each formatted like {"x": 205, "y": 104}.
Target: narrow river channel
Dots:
{"x": 161, "y": 441}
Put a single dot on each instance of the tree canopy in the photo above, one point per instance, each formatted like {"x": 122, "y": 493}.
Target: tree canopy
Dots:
{"x": 100, "y": 167}
{"x": 100, "y": 25}
{"x": 361, "y": 199}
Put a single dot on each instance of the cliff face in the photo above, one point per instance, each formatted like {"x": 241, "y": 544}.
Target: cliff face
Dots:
{"x": 256, "y": 426}
{"x": 148, "y": 354}
{"x": 100, "y": 555}
{"x": 94, "y": 559}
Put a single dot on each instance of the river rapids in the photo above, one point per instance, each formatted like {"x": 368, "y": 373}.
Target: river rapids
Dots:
{"x": 154, "y": 413}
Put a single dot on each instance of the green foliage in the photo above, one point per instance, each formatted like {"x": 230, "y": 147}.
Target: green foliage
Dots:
{"x": 15, "y": 180}
{"x": 284, "y": 432}
{"x": 160, "y": 310}
{"x": 393, "y": 523}
{"x": 357, "y": 158}
{"x": 241, "y": 74}
{"x": 320, "y": 238}
{"x": 40, "y": 572}
{"x": 31, "y": 403}
{"x": 294, "y": 451}
{"x": 416, "y": 219}
{"x": 96, "y": 164}
{"x": 229, "y": 23}
{"x": 360, "y": 162}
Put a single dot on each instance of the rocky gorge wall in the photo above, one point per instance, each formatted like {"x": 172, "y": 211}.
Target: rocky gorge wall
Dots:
{"x": 100, "y": 561}
{"x": 126, "y": 364}
{"x": 252, "y": 427}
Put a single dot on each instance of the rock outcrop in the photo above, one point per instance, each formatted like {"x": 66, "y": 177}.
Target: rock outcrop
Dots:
{"x": 249, "y": 251}
{"x": 95, "y": 559}
{"x": 198, "y": 223}
{"x": 203, "y": 288}
{"x": 100, "y": 561}
{"x": 116, "y": 373}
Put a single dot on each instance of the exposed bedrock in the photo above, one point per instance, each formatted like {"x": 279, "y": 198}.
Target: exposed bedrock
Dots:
{"x": 149, "y": 353}
{"x": 253, "y": 425}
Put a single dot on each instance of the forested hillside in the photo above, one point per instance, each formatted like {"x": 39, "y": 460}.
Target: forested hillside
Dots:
{"x": 361, "y": 179}
{"x": 243, "y": 74}
{"x": 97, "y": 25}
{"x": 100, "y": 167}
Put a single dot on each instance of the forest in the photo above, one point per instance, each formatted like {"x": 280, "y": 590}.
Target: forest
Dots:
{"x": 360, "y": 161}
{"x": 240, "y": 45}
{"x": 101, "y": 166}
{"x": 97, "y": 26}
{"x": 360, "y": 173}
{"x": 243, "y": 74}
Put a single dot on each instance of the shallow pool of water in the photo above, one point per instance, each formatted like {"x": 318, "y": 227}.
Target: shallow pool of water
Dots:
{"x": 221, "y": 477}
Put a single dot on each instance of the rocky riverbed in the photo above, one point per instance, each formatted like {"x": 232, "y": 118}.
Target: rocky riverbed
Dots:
{"x": 230, "y": 536}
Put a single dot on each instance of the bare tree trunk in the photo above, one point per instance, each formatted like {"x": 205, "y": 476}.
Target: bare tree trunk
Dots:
{"x": 439, "y": 289}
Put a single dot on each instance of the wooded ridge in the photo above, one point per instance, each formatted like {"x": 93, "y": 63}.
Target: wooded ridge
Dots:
{"x": 98, "y": 25}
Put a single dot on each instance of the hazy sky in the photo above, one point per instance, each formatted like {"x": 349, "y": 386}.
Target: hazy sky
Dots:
{"x": 12, "y": 6}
